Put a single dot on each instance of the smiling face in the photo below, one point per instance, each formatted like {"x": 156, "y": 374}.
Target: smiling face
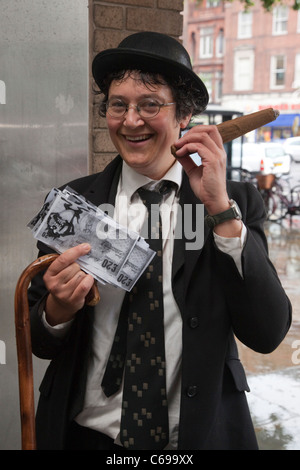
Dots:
{"x": 144, "y": 144}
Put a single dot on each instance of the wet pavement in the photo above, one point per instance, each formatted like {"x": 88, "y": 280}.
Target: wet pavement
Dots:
{"x": 274, "y": 379}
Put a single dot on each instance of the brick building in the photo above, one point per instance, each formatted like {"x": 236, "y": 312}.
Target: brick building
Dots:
{"x": 204, "y": 39}
{"x": 249, "y": 60}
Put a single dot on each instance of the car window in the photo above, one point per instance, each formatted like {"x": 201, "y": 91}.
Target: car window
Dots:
{"x": 274, "y": 152}
{"x": 295, "y": 143}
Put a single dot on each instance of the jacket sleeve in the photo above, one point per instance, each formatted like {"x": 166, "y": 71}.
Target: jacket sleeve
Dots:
{"x": 259, "y": 307}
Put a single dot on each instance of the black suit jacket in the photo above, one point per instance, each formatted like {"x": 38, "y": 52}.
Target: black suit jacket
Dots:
{"x": 216, "y": 303}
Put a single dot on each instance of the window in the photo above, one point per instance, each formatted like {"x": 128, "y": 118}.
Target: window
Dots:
{"x": 212, "y": 3}
{"x": 277, "y": 71}
{"x": 280, "y": 20}
{"x": 218, "y": 87}
{"x": 220, "y": 44}
{"x": 298, "y": 22}
{"x": 296, "y": 83}
{"x": 207, "y": 78}
{"x": 206, "y": 42}
{"x": 245, "y": 24}
{"x": 193, "y": 46}
{"x": 243, "y": 70}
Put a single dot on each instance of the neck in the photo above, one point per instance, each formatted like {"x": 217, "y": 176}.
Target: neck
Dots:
{"x": 155, "y": 173}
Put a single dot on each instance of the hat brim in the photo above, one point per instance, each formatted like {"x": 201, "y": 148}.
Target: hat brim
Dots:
{"x": 114, "y": 60}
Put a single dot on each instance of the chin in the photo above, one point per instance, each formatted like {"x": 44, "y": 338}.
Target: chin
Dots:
{"x": 136, "y": 161}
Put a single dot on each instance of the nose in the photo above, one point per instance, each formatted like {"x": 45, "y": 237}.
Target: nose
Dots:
{"x": 132, "y": 117}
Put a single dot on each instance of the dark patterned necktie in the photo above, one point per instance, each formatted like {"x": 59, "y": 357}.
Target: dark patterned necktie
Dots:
{"x": 144, "y": 422}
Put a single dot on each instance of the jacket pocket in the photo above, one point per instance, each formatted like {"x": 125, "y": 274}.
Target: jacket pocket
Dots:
{"x": 238, "y": 374}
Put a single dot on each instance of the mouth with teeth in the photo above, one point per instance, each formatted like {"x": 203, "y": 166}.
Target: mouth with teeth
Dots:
{"x": 138, "y": 138}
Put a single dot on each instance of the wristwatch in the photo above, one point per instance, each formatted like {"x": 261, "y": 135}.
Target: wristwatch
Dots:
{"x": 233, "y": 213}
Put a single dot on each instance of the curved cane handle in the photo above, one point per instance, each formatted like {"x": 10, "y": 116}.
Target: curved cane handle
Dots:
{"x": 23, "y": 339}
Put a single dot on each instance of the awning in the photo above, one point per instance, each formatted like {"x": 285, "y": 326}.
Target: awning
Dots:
{"x": 283, "y": 120}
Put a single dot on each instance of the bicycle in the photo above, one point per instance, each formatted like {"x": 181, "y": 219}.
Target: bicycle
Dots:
{"x": 280, "y": 200}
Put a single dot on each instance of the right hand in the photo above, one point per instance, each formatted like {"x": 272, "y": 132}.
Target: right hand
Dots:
{"x": 67, "y": 285}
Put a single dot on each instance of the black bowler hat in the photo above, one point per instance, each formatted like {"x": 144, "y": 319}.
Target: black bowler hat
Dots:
{"x": 148, "y": 52}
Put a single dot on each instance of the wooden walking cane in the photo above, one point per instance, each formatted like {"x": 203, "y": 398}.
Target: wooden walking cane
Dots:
{"x": 23, "y": 340}
{"x": 229, "y": 130}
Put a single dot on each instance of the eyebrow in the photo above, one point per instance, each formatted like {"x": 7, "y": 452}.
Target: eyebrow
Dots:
{"x": 142, "y": 97}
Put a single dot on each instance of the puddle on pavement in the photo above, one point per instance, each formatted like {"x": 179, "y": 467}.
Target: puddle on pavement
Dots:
{"x": 274, "y": 379}
{"x": 274, "y": 406}
{"x": 274, "y": 400}
{"x": 284, "y": 252}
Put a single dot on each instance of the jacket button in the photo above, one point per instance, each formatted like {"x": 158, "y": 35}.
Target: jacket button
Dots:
{"x": 194, "y": 322}
{"x": 191, "y": 391}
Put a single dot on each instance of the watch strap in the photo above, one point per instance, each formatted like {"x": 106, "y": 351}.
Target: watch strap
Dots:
{"x": 232, "y": 213}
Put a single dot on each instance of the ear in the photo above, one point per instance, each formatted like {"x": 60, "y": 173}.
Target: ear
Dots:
{"x": 184, "y": 122}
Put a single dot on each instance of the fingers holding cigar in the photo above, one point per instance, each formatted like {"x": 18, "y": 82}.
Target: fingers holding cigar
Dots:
{"x": 234, "y": 128}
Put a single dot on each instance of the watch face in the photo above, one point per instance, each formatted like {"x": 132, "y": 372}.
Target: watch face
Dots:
{"x": 236, "y": 209}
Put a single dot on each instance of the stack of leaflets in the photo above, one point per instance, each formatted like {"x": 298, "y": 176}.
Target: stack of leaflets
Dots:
{"x": 118, "y": 256}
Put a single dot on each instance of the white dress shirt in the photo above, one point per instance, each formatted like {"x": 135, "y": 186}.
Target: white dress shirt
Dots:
{"x": 104, "y": 413}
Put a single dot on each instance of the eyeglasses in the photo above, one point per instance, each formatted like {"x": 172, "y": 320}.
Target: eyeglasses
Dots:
{"x": 147, "y": 108}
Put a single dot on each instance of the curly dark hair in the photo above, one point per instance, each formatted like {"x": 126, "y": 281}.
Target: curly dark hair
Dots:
{"x": 189, "y": 100}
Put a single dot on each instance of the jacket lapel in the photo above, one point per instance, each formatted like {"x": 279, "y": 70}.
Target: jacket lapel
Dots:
{"x": 104, "y": 187}
{"x": 184, "y": 258}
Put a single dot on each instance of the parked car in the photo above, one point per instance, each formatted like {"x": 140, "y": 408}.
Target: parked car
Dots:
{"x": 261, "y": 157}
{"x": 292, "y": 146}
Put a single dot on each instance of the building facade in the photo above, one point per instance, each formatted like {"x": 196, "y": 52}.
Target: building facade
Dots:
{"x": 204, "y": 24}
{"x": 250, "y": 60}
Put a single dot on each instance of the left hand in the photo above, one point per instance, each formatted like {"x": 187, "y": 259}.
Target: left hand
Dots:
{"x": 208, "y": 181}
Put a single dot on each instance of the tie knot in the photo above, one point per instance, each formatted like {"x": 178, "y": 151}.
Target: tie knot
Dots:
{"x": 150, "y": 197}
{"x": 156, "y": 195}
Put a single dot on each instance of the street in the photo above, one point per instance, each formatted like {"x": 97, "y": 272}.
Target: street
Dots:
{"x": 274, "y": 378}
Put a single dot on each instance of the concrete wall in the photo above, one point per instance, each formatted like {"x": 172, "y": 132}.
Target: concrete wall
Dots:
{"x": 43, "y": 144}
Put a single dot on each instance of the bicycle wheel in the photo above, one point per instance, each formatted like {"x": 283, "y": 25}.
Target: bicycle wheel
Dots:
{"x": 276, "y": 209}
{"x": 294, "y": 206}
{"x": 274, "y": 204}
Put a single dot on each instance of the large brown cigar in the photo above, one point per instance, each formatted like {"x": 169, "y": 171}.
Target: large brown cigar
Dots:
{"x": 235, "y": 128}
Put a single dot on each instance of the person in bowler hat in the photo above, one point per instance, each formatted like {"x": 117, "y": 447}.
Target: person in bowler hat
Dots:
{"x": 211, "y": 292}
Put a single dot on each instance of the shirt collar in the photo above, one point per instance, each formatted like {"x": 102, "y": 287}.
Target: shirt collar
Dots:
{"x": 131, "y": 181}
